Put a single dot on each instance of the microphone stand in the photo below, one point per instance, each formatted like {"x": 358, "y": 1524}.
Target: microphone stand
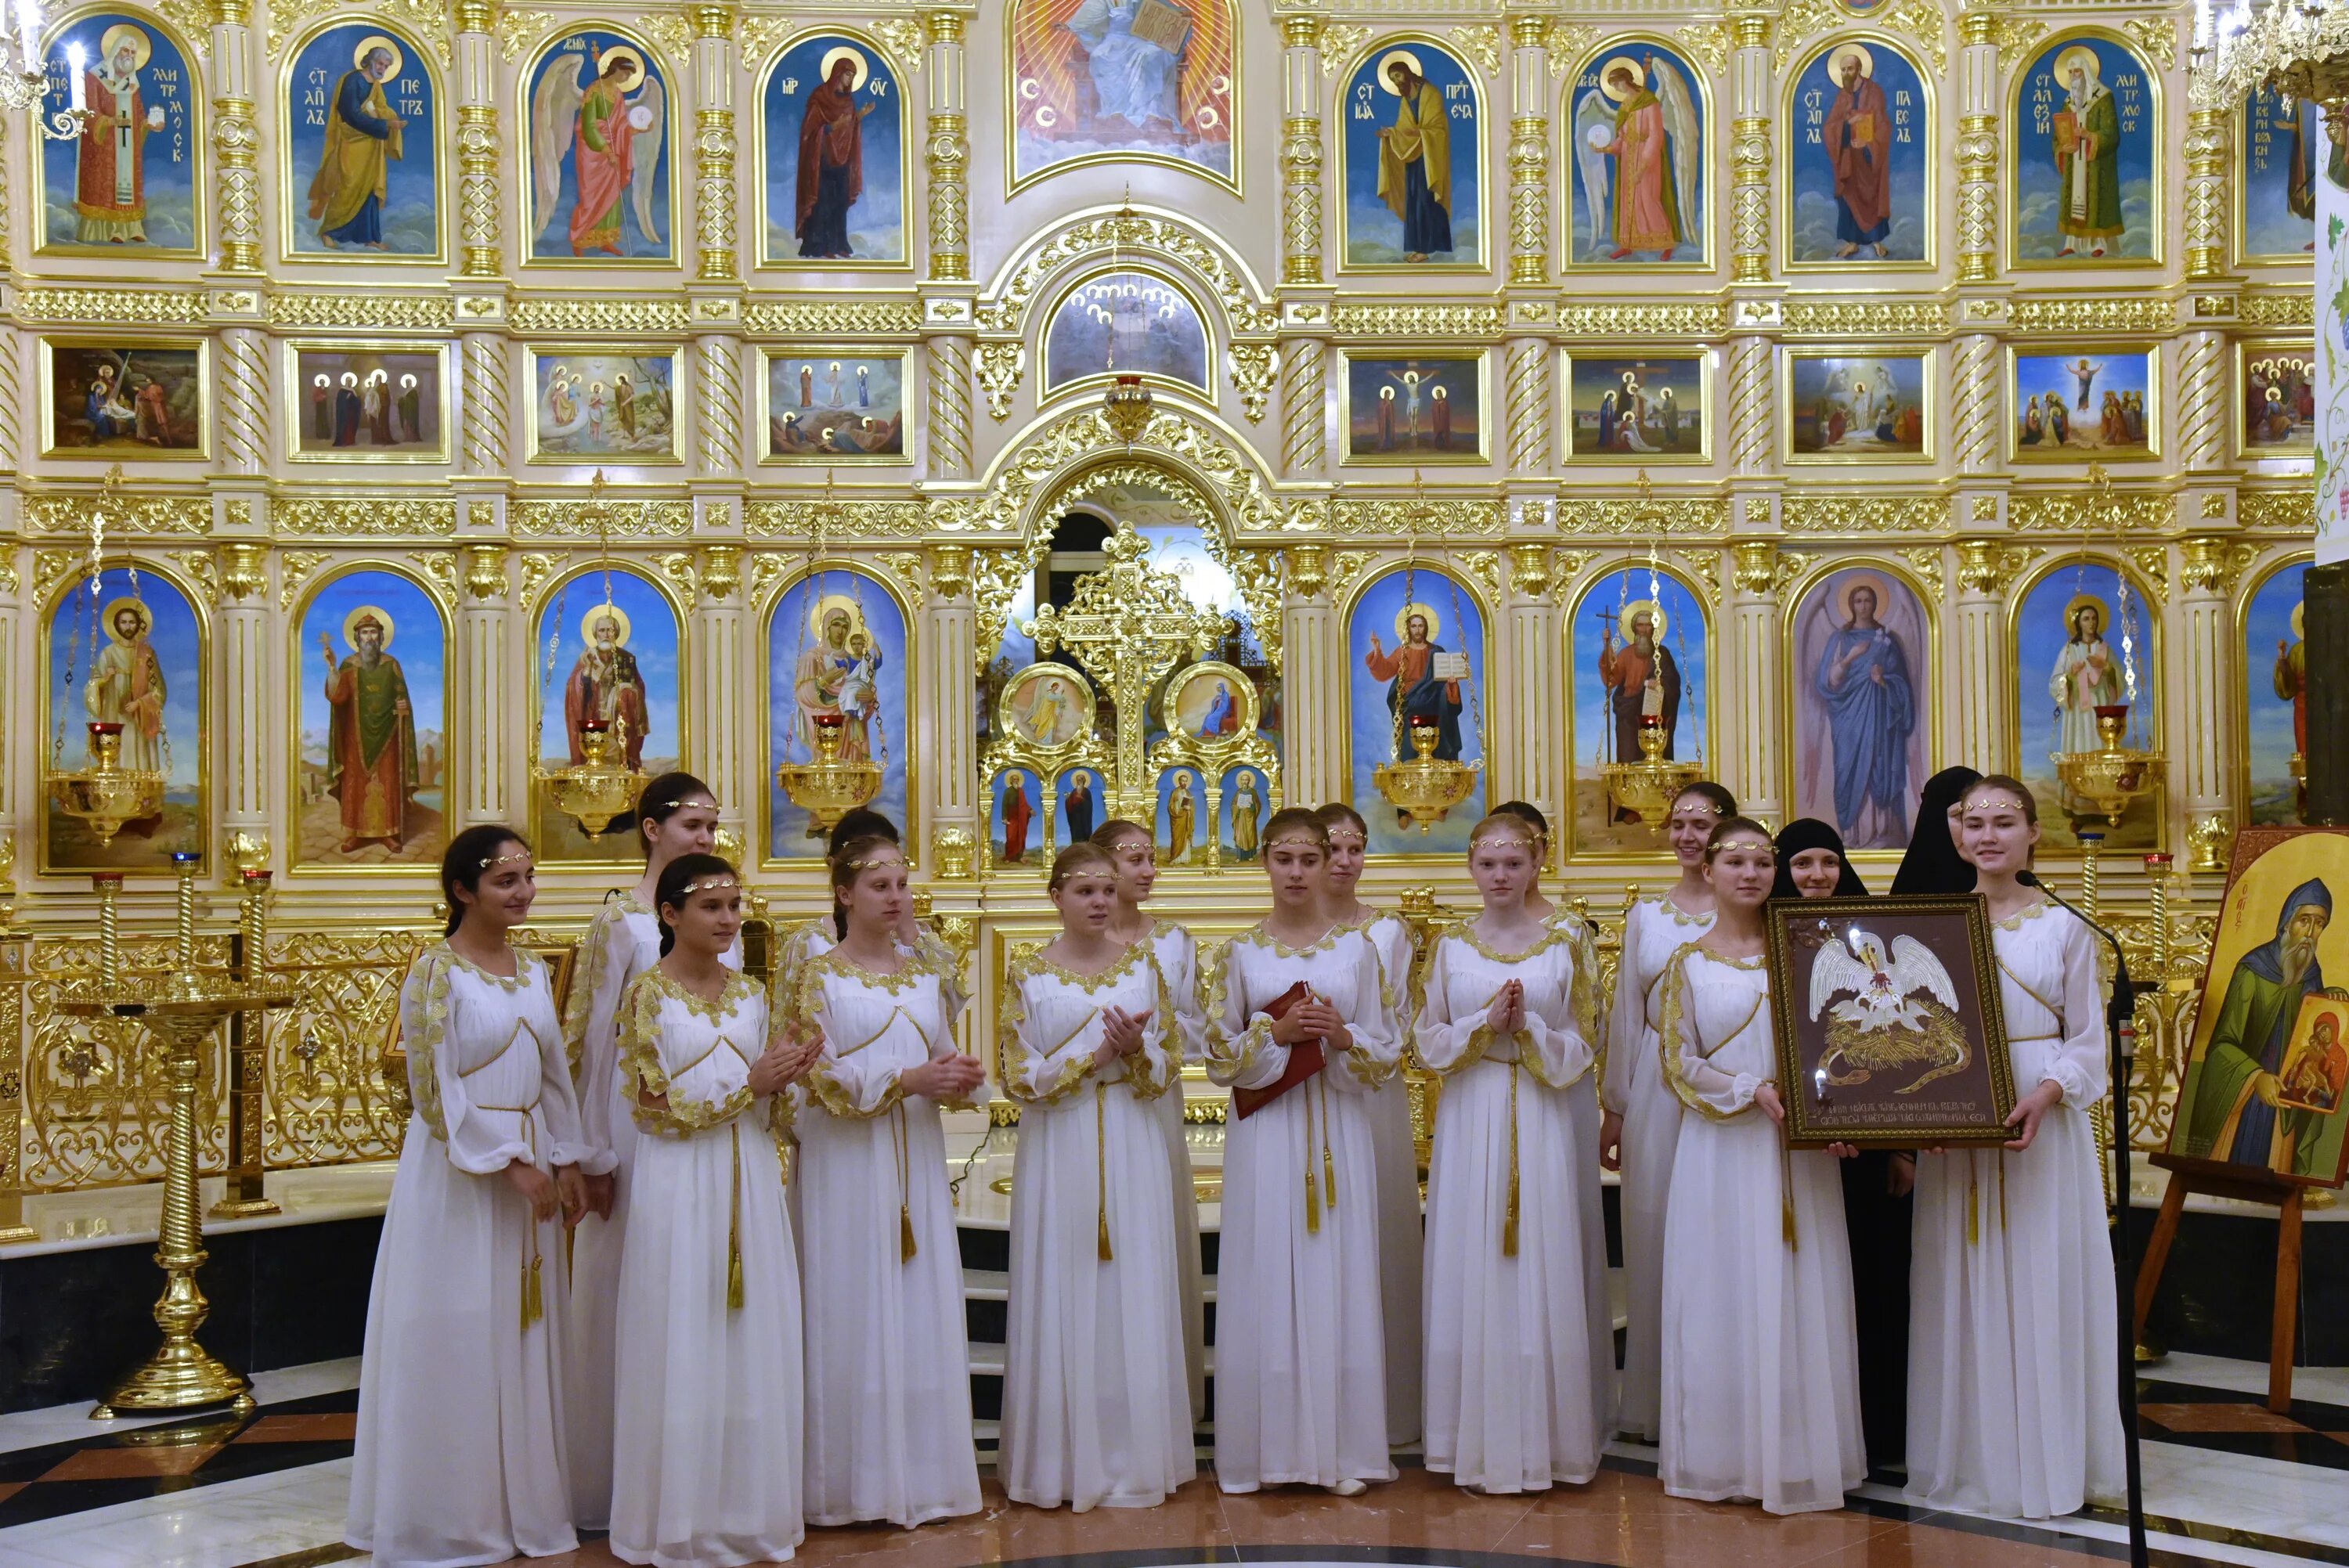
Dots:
{"x": 2120, "y": 1028}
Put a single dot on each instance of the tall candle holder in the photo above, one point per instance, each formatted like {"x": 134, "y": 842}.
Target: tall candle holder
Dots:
{"x": 179, "y": 1016}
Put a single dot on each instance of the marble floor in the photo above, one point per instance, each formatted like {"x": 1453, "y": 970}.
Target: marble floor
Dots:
{"x": 2226, "y": 1482}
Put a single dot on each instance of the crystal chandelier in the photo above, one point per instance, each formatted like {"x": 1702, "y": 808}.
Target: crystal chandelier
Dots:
{"x": 23, "y": 80}
{"x": 2298, "y": 47}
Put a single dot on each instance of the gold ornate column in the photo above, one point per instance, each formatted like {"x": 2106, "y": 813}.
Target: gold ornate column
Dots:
{"x": 713, "y": 144}
{"x": 946, "y": 722}
{"x": 1750, "y": 688}
{"x": 2209, "y": 124}
{"x": 1977, "y": 143}
{"x": 719, "y": 425}
{"x": 2204, "y": 408}
{"x": 724, "y": 750}
{"x": 1530, "y": 758}
{"x": 11, "y": 395}
{"x": 236, "y": 139}
{"x": 946, "y": 151}
{"x": 1749, "y": 146}
{"x": 479, "y": 200}
{"x": 1529, "y": 92}
{"x": 491, "y": 755}
{"x": 1301, "y": 151}
{"x": 1982, "y": 673}
{"x": 483, "y": 434}
{"x": 2205, "y": 663}
{"x": 1313, "y": 749}
{"x": 1304, "y": 406}
{"x": 246, "y": 714}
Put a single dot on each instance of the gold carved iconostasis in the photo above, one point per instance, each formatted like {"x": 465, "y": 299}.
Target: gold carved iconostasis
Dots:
{"x": 1170, "y": 408}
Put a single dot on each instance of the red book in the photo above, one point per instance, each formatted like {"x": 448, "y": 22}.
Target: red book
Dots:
{"x": 1306, "y": 1057}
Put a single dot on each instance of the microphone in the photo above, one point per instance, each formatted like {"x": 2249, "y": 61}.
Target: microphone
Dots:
{"x": 2120, "y": 1027}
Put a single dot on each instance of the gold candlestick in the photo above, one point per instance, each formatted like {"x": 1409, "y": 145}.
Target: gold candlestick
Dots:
{"x": 178, "y": 1019}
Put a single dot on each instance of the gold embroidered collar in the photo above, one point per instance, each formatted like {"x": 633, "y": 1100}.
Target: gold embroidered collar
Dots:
{"x": 524, "y": 959}
{"x": 1037, "y": 964}
{"x": 739, "y": 987}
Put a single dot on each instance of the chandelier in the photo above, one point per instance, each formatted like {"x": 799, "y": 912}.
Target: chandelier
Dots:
{"x": 24, "y": 81}
{"x": 2298, "y": 47}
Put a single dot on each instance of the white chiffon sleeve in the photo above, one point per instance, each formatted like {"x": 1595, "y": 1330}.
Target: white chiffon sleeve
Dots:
{"x": 1442, "y": 1042}
{"x": 1037, "y": 1071}
{"x": 558, "y": 1107}
{"x": 477, "y": 1144}
{"x": 1376, "y": 1051}
{"x": 1182, "y": 976}
{"x": 591, "y": 1032}
{"x": 1241, "y": 1052}
{"x": 1701, "y": 1086}
{"x": 2080, "y": 1064}
{"x": 1556, "y": 1054}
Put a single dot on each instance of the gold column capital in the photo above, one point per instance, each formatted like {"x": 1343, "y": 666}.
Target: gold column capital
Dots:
{"x": 721, "y": 570}
{"x": 950, "y": 569}
{"x": 1308, "y": 568}
{"x": 1755, "y": 568}
{"x": 242, "y": 573}
{"x": 944, "y": 27}
{"x": 231, "y": 12}
{"x": 485, "y": 570}
{"x": 712, "y": 20}
{"x": 471, "y": 15}
{"x": 1530, "y": 30}
{"x": 1529, "y": 567}
{"x": 1301, "y": 31}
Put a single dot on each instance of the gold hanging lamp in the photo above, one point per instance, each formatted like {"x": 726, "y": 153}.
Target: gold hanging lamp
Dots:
{"x": 2117, "y": 773}
{"x": 101, "y": 793}
{"x": 828, "y": 784}
{"x": 1423, "y": 787}
{"x": 601, "y": 785}
{"x": 1126, "y": 406}
{"x": 1649, "y": 787}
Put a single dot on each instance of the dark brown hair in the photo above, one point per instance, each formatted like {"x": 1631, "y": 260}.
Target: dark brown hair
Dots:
{"x": 679, "y": 874}
{"x": 1337, "y": 814}
{"x": 852, "y": 861}
{"x": 664, "y": 798}
{"x": 1291, "y": 820}
{"x": 1723, "y": 802}
{"x": 469, "y": 854}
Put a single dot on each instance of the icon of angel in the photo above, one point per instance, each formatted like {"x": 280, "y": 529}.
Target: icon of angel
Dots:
{"x": 613, "y": 140}
{"x": 1639, "y": 155}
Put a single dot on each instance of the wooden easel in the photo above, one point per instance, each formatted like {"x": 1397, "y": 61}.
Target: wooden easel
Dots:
{"x": 2248, "y": 1186}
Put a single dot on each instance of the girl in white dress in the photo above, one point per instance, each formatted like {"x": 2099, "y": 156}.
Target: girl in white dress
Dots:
{"x": 706, "y": 1466}
{"x": 1642, "y": 1119}
{"x": 1301, "y": 1355}
{"x": 460, "y": 1457}
{"x": 676, "y": 815}
{"x": 1129, "y": 845}
{"x": 1761, "y": 1380}
{"x": 1095, "y": 1406}
{"x": 1520, "y": 1347}
{"x": 1392, "y": 1147}
{"x": 2013, "y": 1379}
{"x": 888, "y": 1389}
{"x": 797, "y": 943}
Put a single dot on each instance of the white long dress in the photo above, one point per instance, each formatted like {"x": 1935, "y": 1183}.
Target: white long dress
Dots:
{"x": 1096, "y": 1407}
{"x": 1520, "y": 1347}
{"x": 621, "y": 942}
{"x": 1300, "y": 1350}
{"x": 2013, "y": 1383}
{"x": 460, "y": 1457}
{"x": 888, "y": 1388}
{"x": 1631, "y": 1085}
{"x": 705, "y": 1467}
{"x": 1760, "y": 1365}
{"x": 1395, "y": 1152}
{"x": 1178, "y": 960}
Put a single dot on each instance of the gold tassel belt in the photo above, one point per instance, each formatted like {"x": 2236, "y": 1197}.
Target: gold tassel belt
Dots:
{"x": 1509, "y": 1216}
{"x": 1973, "y": 1173}
{"x": 1314, "y": 1202}
{"x": 734, "y": 1223}
{"x": 1100, "y": 1177}
{"x": 533, "y": 1295}
{"x": 903, "y": 1137}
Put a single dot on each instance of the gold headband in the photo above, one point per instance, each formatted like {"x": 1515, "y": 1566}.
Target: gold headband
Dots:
{"x": 1346, "y": 836}
{"x": 1993, "y": 803}
{"x": 1307, "y": 839}
{"x": 489, "y": 861}
{"x": 861, "y": 865}
{"x": 708, "y": 884}
{"x": 1528, "y": 839}
{"x": 1708, "y": 806}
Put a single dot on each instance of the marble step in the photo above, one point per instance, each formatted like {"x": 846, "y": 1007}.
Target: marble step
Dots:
{"x": 995, "y": 1284}
{"x": 987, "y": 1359}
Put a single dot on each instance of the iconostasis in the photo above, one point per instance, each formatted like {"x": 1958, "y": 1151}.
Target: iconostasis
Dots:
{"x": 1045, "y": 410}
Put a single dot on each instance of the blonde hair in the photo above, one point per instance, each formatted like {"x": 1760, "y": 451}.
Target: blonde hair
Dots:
{"x": 1506, "y": 827}
{"x": 1076, "y": 860}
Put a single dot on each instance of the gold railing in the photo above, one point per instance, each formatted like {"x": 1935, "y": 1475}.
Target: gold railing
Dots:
{"x": 91, "y": 1112}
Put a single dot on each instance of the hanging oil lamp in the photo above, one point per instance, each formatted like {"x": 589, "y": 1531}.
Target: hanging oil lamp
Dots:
{"x": 102, "y": 793}
{"x": 1126, "y": 405}
{"x": 2122, "y": 769}
{"x": 1424, "y": 787}
{"x": 1649, "y": 787}
{"x": 601, "y": 785}
{"x": 828, "y": 783}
